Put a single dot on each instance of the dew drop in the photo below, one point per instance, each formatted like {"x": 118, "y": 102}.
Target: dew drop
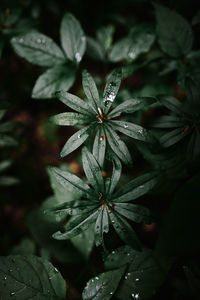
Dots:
{"x": 113, "y": 221}
{"x": 39, "y": 41}
{"x": 125, "y": 126}
{"x": 140, "y": 131}
{"x": 111, "y": 293}
{"x": 132, "y": 54}
{"x": 12, "y": 294}
{"x": 137, "y": 279}
{"x": 10, "y": 270}
{"x": 128, "y": 274}
{"x": 83, "y": 38}
{"x": 56, "y": 270}
{"x": 101, "y": 138}
{"x": 21, "y": 40}
{"x": 113, "y": 252}
{"x": 97, "y": 278}
{"x": 5, "y": 277}
{"x": 125, "y": 277}
{"x": 78, "y": 57}
{"x": 92, "y": 280}
{"x": 79, "y": 136}
{"x": 128, "y": 254}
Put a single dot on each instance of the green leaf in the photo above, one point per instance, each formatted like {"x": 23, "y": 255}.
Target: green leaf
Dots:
{"x": 105, "y": 36}
{"x": 175, "y": 34}
{"x": 73, "y": 39}
{"x": 7, "y": 141}
{"x": 8, "y": 180}
{"x": 111, "y": 89}
{"x": 99, "y": 146}
{"x": 38, "y": 49}
{"x": 94, "y": 49}
{"x": 70, "y": 181}
{"x": 92, "y": 171}
{"x": 138, "y": 42}
{"x": 7, "y": 127}
{"x": 53, "y": 80}
{"x": 172, "y": 137}
{"x": 74, "y": 102}
{"x": 76, "y": 140}
{"x": 134, "y": 212}
{"x": 69, "y": 119}
{"x": 167, "y": 122}
{"x": 136, "y": 188}
{"x": 84, "y": 242}
{"x": 5, "y": 165}
{"x": 77, "y": 224}
{"x": 90, "y": 90}
{"x": 134, "y": 131}
{"x": 131, "y": 105}
{"x": 103, "y": 286}
{"x": 171, "y": 103}
{"x": 124, "y": 230}
{"x": 118, "y": 146}
{"x": 29, "y": 277}
{"x": 181, "y": 224}
{"x": 116, "y": 174}
{"x": 193, "y": 147}
{"x": 145, "y": 272}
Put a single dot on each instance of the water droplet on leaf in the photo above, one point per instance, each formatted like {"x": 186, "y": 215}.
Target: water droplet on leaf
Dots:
{"x": 78, "y": 57}
{"x": 125, "y": 126}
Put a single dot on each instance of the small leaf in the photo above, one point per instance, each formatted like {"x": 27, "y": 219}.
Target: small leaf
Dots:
{"x": 111, "y": 89}
{"x": 167, "y": 122}
{"x": 171, "y": 103}
{"x": 8, "y": 180}
{"x": 92, "y": 171}
{"x": 84, "y": 242}
{"x": 135, "y": 188}
{"x": 175, "y": 34}
{"x": 120, "y": 49}
{"x": 105, "y": 36}
{"x": 118, "y": 146}
{"x": 53, "y": 80}
{"x": 7, "y": 141}
{"x": 99, "y": 146}
{"x": 74, "y": 102}
{"x": 5, "y": 165}
{"x": 94, "y": 49}
{"x": 116, "y": 174}
{"x": 134, "y": 131}
{"x": 103, "y": 286}
{"x": 172, "y": 137}
{"x": 76, "y": 140}
{"x": 38, "y": 49}
{"x": 193, "y": 147}
{"x": 124, "y": 230}
{"x": 98, "y": 229}
{"x": 90, "y": 90}
{"x": 69, "y": 119}
{"x": 73, "y": 39}
{"x": 29, "y": 277}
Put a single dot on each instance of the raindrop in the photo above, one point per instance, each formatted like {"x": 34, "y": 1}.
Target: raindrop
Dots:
{"x": 39, "y": 41}
{"x": 92, "y": 280}
{"x": 132, "y": 54}
{"x": 10, "y": 270}
{"x": 43, "y": 41}
{"x": 79, "y": 136}
{"x": 83, "y": 38}
{"x": 5, "y": 277}
{"x": 111, "y": 293}
{"x": 141, "y": 186}
{"x": 140, "y": 131}
{"x": 12, "y": 294}
{"x": 21, "y": 40}
{"x": 128, "y": 254}
{"x": 113, "y": 252}
{"x": 78, "y": 57}
{"x": 97, "y": 278}
{"x": 136, "y": 296}
{"x": 137, "y": 279}
{"x": 56, "y": 270}
{"x": 128, "y": 274}
{"x": 101, "y": 138}
{"x": 125, "y": 277}
{"x": 125, "y": 126}
{"x": 113, "y": 221}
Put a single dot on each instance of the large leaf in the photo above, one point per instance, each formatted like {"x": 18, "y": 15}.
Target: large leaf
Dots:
{"x": 175, "y": 34}
{"x": 38, "y": 49}
{"x": 116, "y": 173}
{"x": 167, "y": 122}
{"x": 103, "y": 286}
{"x": 172, "y": 137}
{"x": 30, "y": 277}
{"x": 134, "y": 212}
{"x": 73, "y": 39}
{"x": 53, "y": 80}
{"x": 144, "y": 272}
{"x": 94, "y": 49}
